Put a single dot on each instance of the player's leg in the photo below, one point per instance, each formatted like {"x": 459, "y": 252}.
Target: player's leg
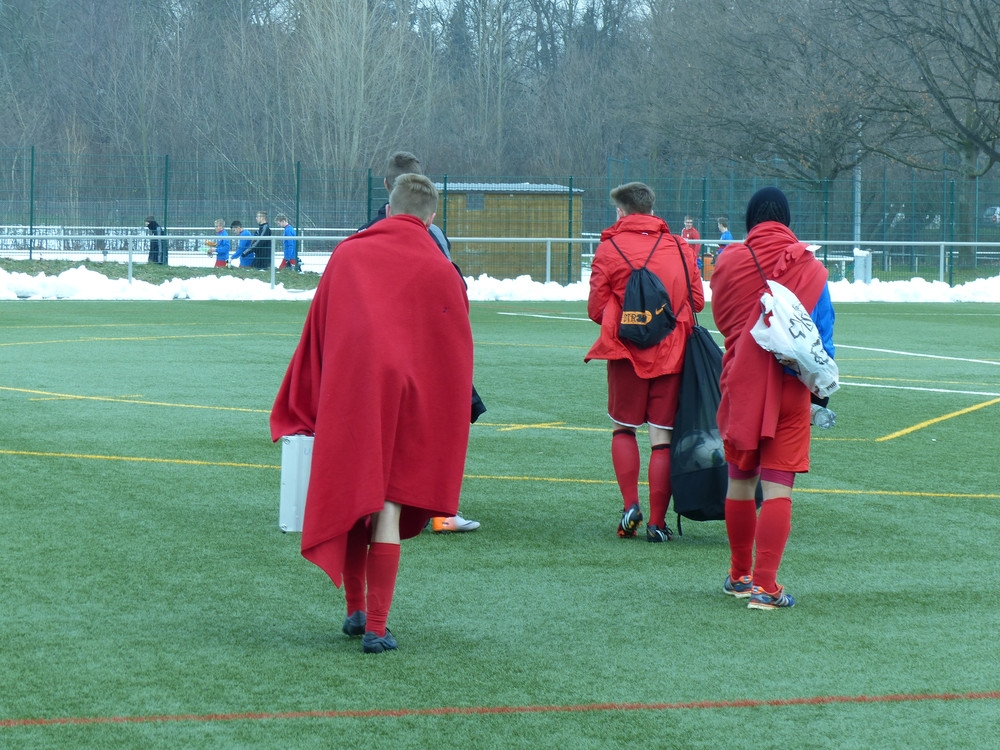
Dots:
{"x": 383, "y": 566}
{"x": 627, "y": 409}
{"x": 660, "y": 412}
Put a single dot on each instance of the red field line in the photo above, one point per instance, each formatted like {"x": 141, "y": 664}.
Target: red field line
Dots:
{"x": 484, "y": 710}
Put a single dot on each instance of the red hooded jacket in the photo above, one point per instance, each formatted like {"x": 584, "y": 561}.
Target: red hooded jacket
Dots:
{"x": 635, "y": 235}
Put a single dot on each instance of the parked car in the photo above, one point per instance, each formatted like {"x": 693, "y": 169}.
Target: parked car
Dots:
{"x": 991, "y": 216}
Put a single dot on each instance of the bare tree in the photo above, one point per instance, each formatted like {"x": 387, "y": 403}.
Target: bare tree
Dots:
{"x": 777, "y": 98}
{"x": 940, "y": 91}
{"x": 360, "y": 81}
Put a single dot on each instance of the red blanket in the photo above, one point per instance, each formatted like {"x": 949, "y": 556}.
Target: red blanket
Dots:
{"x": 751, "y": 377}
{"x": 383, "y": 377}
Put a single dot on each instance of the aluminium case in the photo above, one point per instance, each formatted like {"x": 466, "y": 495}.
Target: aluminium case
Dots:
{"x": 296, "y": 461}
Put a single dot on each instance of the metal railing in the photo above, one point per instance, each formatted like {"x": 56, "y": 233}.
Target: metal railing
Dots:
{"x": 560, "y": 259}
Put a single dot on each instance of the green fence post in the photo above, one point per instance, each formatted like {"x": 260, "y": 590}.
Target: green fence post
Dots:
{"x": 826, "y": 214}
{"x": 166, "y": 190}
{"x": 569, "y": 233}
{"x": 951, "y": 248}
{"x": 31, "y": 207}
{"x": 298, "y": 192}
{"x": 444, "y": 205}
{"x": 368, "y": 198}
{"x": 704, "y": 212}
{"x": 297, "y": 225}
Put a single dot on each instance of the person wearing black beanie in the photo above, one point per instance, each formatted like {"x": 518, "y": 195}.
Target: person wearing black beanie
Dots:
{"x": 764, "y": 413}
{"x": 768, "y": 204}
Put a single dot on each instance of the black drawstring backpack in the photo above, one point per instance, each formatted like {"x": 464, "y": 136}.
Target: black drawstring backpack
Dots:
{"x": 699, "y": 474}
{"x": 647, "y": 315}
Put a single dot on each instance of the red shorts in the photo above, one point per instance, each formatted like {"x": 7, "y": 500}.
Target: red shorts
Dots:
{"x": 788, "y": 450}
{"x": 220, "y": 264}
{"x": 633, "y": 401}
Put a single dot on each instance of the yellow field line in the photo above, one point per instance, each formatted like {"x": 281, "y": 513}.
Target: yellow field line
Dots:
{"x": 92, "y": 339}
{"x": 803, "y": 490}
{"x": 929, "y": 422}
{"x": 135, "y": 459}
{"x": 121, "y": 400}
{"x": 502, "y": 427}
{"x": 489, "y": 477}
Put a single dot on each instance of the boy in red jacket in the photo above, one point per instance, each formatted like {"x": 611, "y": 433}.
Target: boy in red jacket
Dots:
{"x": 642, "y": 383}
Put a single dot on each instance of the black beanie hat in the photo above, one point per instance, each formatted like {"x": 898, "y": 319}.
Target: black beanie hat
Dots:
{"x": 768, "y": 204}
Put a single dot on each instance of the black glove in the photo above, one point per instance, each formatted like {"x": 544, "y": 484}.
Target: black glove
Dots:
{"x": 478, "y": 407}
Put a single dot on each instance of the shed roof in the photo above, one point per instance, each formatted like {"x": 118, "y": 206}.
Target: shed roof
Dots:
{"x": 506, "y": 187}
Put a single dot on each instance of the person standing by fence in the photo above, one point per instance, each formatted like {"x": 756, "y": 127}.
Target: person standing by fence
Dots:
{"x": 290, "y": 257}
{"x": 220, "y": 247}
{"x": 690, "y": 233}
{"x": 243, "y": 255}
{"x": 724, "y": 234}
{"x": 157, "y": 245}
{"x": 260, "y": 248}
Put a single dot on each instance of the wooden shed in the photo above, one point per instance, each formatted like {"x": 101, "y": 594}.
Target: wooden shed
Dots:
{"x": 497, "y": 209}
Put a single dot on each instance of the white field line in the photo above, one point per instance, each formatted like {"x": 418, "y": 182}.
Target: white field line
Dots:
{"x": 995, "y": 363}
{"x": 550, "y": 317}
{"x": 917, "y": 388}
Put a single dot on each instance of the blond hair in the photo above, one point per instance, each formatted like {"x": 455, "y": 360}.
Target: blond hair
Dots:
{"x": 415, "y": 195}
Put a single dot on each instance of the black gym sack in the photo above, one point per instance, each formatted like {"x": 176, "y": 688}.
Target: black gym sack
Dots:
{"x": 699, "y": 474}
{"x": 647, "y": 315}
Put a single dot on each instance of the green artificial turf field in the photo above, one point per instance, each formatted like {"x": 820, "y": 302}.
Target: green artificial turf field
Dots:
{"x": 148, "y": 598}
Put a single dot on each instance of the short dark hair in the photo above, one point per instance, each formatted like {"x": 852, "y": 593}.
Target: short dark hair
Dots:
{"x": 634, "y": 198}
{"x": 724, "y": 221}
{"x": 401, "y": 162}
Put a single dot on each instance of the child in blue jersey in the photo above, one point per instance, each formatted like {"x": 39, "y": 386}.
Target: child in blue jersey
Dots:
{"x": 290, "y": 259}
{"x": 220, "y": 247}
{"x": 241, "y": 257}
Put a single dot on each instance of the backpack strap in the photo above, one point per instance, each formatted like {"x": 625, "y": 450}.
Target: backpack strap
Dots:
{"x": 612, "y": 239}
{"x": 756, "y": 263}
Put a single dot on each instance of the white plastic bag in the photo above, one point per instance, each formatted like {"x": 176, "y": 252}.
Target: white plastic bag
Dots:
{"x": 786, "y": 330}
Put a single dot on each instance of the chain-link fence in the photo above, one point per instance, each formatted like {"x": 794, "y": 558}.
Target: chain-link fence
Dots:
{"x": 50, "y": 193}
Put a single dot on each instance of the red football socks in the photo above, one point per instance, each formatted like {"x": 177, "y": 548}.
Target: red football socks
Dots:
{"x": 659, "y": 484}
{"x": 383, "y": 564}
{"x": 741, "y": 525}
{"x": 625, "y": 459}
{"x": 355, "y": 563}
{"x": 773, "y": 528}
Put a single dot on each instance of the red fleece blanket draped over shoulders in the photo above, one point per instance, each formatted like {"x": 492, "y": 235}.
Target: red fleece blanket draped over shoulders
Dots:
{"x": 382, "y": 376}
{"x": 751, "y": 377}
